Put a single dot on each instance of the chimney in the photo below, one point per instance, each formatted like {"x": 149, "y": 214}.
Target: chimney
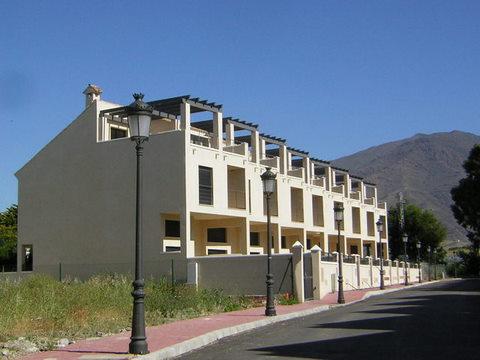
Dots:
{"x": 92, "y": 93}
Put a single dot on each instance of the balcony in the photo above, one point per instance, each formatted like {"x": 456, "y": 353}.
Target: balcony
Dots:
{"x": 200, "y": 137}
{"x": 338, "y": 189}
{"x": 236, "y": 199}
{"x": 355, "y": 195}
{"x": 296, "y": 172}
{"x": 271, "y": 161}
{"x": 382, "y": 205}
{"x": 369, "y": 201}
{"x": 239, "y": 149}
{"x": 236, "y": 188}
{"x": 319, "y": 181}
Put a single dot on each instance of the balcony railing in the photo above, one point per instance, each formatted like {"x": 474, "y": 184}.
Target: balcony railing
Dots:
{"x": 271, "y": 161}
{"x": 355, "y": 195}
{"x": 382, "y": 205}
{"x": 338, "y": 189}
{"x": 297, "y": 172}
{"x": 319, "y": 181}
{"x": 240, "y": 149}
{"x": 200, "y": 137}
{"x": 369, "y": 201}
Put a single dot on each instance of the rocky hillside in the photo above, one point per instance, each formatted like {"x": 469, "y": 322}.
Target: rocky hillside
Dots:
{"x": 424, "y": 167}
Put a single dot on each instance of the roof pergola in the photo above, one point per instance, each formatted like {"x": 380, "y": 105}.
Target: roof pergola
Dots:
{"x": 169, "y": 108}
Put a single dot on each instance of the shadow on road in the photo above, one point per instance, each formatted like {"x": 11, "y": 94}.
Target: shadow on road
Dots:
{"x": 442, "y": 322}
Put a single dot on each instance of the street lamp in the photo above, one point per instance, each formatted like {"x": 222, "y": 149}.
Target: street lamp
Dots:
{"x": 419, "y": 245}
{"x": 429, "y": 263}
{"x": 269, "y": 184}
{"x": 139, "y": 117}
{"x": 382, "y": 272}
{"x": 338, "y": 214}
{"x": 435, "y": 263}
{"x": 405, "y": 241}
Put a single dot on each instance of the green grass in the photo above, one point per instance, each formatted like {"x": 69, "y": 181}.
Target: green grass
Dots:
{"x": 40, "y": 307}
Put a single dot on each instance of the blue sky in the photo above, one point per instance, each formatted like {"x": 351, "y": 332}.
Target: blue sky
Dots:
{"x": 333, "y": 77}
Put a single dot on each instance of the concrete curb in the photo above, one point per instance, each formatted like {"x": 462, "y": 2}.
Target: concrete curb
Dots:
{"x": 208, "y": 338}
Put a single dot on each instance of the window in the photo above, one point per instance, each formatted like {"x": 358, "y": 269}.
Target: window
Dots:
{"x": 216, "y": 252}
{"x": 116, "y": 133}
{"x": 254, "y": 239}
{"x": 27, "y": 258}
{"x": 205, "y": 185}
{"x": 218, "y": 235}
{"x": 309, "y": 244}
{"x": 172, "y": 228}
{"x": 366, "y": 250}
{"x": 284, "y": 242}
{"x": 353, "y": 249}
{"x": 172, "y": 248}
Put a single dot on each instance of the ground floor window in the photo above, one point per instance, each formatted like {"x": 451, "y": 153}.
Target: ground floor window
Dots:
{"x": 216, "y": 252}
{"x": 254, "y": 239}
{"x": 309, "y": 244}
{"x": 27, "y": 258}
{"x": 218, "y": 235}
{"x": 353, "y": 249}
{"x": 172, "y": 228}
{"x": 284, "y": 242}
{"x": 172, "y": 248}
{"x": 366, "y": 250}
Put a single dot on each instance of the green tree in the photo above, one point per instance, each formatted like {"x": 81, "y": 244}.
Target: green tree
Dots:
{"x": 466, "y": 198}
{"x": 421, "y": 226}
{"x": 8, "y": 238}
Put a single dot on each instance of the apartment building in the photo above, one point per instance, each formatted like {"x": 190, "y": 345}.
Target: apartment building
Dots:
{"x": 202, "y": 190}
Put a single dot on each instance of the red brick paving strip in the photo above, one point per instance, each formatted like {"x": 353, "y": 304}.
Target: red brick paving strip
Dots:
{"x": 162, "y": 336}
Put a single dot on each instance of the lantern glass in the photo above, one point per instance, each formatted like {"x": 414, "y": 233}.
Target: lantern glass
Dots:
{"x": 269, "y": 182}
{"x": 269, "y": 186}
{"x": 405, "y": 238}
{"x": 379, "y": 226}
{"x": 139, "y": 125}
{"x": 419, "y": 245}
{"x": 338, "y": 212}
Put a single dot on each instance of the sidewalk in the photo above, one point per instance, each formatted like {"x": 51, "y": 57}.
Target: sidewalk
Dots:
{"x": 179, "y": 337}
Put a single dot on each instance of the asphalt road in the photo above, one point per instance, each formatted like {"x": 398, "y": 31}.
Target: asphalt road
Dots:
{"x": 437, "y": 321}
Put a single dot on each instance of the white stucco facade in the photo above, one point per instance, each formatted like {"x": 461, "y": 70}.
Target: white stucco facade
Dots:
{"x": 76, "y": 196}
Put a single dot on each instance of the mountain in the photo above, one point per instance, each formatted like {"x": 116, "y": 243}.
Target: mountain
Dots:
{"x": 424, "y": 167}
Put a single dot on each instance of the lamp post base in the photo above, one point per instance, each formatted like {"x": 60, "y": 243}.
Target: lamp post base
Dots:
{"x": 341, "y": 298}
{"x": 382, "y": 283}
{"x": 138, "y": 347}
{"x": 270, "y": 306}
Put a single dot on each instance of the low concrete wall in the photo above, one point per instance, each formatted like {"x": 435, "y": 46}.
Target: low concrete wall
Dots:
{"x": 329, "y": 275}
{"x": 244, "y": 274}
{"x": 365, "y": 276}
{"x": 152, "y": 269}
{"x": 350, "y": 277}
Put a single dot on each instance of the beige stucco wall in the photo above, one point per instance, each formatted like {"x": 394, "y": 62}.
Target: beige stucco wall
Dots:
{"x": 77, "y": 196}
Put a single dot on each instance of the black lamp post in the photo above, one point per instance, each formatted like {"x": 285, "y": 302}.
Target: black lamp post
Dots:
{"x": 419, "y": 245}
{"x": 435, "y": 263}
{"x": 382, "y": 272}
{"x": 139, "y": 117}
{"x": 338, "y": 214}
{"x": 405, "y": 241}
{"x": 269, "y": 184}
{"x": 429, "y": 263}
